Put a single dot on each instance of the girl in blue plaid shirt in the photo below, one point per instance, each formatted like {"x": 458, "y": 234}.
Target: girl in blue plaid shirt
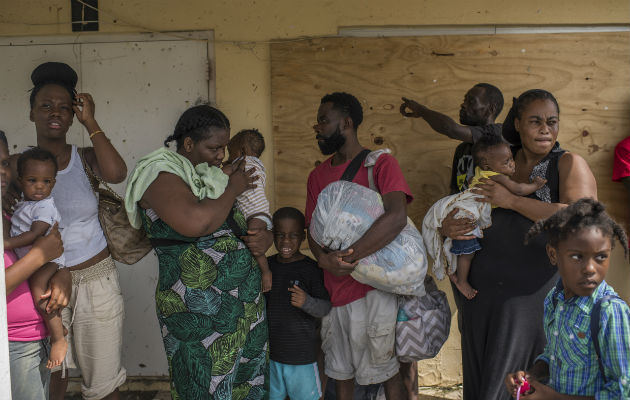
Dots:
{"x": 580, "y": 239}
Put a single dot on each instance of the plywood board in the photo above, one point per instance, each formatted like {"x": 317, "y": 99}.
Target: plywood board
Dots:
{"x": 588, "y": 73}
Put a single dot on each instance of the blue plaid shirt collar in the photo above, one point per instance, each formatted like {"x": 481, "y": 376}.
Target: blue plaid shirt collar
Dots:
{"x": 585, "y": 303}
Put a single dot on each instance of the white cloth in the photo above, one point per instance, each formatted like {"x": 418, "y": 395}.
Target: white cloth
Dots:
{"x": 443, "y": 260}
{"x": 27, "y": 212}
{"x": 253, "y": 202}
{"x": 80, "y": 229}
{"x": 344, "y": 212}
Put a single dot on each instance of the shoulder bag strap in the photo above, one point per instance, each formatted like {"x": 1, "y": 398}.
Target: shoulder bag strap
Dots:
{"x": 87, "y": 169}
{"x": 94, "y": 179}
{"x": 371, "y": 178}
{"x": 594, "y": 325}
{"x": 353, "y": 167}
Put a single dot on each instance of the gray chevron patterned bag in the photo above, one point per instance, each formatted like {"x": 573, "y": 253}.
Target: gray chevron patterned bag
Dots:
{"x": 428, "y": 325}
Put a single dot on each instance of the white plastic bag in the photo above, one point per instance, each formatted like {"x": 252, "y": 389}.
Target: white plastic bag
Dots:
{"x": 344, "y": 212}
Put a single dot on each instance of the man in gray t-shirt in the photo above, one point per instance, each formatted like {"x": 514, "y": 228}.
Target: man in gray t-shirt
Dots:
{"x": 482, "y": 104}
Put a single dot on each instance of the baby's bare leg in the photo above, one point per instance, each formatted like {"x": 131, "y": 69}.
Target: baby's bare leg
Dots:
{"x": 266, "y": 273}
{"x": 463, "y": 268}
{"x": 38, "y": 283}
{"x": 255, "y": 224}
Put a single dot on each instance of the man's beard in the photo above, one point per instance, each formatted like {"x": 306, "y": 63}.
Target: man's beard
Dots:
{"x": 332, "y": 143}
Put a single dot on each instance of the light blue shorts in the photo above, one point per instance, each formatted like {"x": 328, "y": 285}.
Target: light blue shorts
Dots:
{"x": 299, "y": 382}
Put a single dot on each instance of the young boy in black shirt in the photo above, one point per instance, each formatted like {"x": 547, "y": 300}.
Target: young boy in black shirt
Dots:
{"x": 294, "y": 305}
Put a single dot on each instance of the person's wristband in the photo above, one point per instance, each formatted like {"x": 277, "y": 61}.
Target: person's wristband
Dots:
{"x": 96, "y": 133}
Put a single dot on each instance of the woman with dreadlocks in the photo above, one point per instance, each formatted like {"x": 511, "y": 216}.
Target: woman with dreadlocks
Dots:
{"x": 513, "y": 278}
{"x": 586, "y": 323}
{"x": 208, "y": 300}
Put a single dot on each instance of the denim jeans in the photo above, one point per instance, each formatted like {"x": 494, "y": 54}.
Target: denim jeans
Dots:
{"x": 29, "y": 375}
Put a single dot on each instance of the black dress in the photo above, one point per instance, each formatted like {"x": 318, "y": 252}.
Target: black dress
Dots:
{"x": 502, "y": 326}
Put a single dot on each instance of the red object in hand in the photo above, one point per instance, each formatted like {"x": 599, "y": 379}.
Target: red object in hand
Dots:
{"x": 524, "y": 387}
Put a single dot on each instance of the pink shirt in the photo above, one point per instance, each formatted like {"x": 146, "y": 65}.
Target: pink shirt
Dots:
{"x": 25, "y": 322}
{"x": 388, "y": 178}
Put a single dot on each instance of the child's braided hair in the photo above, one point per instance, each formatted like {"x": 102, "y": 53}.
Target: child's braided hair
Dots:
{"x": 584, "y": 213}
{"x": 195, "y": 123}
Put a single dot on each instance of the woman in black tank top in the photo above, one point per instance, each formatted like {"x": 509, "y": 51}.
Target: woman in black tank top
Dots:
{"x": 502, "y": 327}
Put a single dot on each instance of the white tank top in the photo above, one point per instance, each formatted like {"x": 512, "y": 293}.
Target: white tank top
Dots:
{"x": 74, "y": 198}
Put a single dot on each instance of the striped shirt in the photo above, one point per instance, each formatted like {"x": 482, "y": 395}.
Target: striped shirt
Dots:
{"x": 253, "y": 202}
{"x": 570, "y": 354}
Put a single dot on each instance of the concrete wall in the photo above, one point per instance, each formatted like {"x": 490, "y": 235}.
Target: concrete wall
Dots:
{"x": 244, "y": 28}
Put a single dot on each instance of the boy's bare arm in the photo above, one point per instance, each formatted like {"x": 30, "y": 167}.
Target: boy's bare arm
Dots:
{"x": 520, "y": 189}
{"x": 38, "y": 229}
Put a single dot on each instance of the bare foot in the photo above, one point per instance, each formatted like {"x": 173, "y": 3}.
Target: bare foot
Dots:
{"x": 465, "y": 289}
{"x": 58, "y": 350}
{"x": 266, "y": 281}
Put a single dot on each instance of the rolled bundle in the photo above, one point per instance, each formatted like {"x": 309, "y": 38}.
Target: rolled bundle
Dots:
{"x": 344, "y": 212}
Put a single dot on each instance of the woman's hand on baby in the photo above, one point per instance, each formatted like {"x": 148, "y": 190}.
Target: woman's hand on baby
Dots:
{"x": 298, "y": 296}
{"x": 50, "y": 245}
{"x": 258, "y": 241}
{"x": 457, "y": 228}
{"x": 333, "y": 262}
{"x": 241, "y": 179}
{"x": 59, "y": 290}
{"x": 495, "y": 193}
{"x": 227, "y": 169}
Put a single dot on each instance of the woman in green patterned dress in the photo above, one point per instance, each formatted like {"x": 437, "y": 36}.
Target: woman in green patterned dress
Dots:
{"x": 208, "y": 298}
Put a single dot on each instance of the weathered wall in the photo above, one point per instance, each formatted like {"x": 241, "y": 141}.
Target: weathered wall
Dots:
{"x": 243, "y": 79}
{"x": 243, "y": 26}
